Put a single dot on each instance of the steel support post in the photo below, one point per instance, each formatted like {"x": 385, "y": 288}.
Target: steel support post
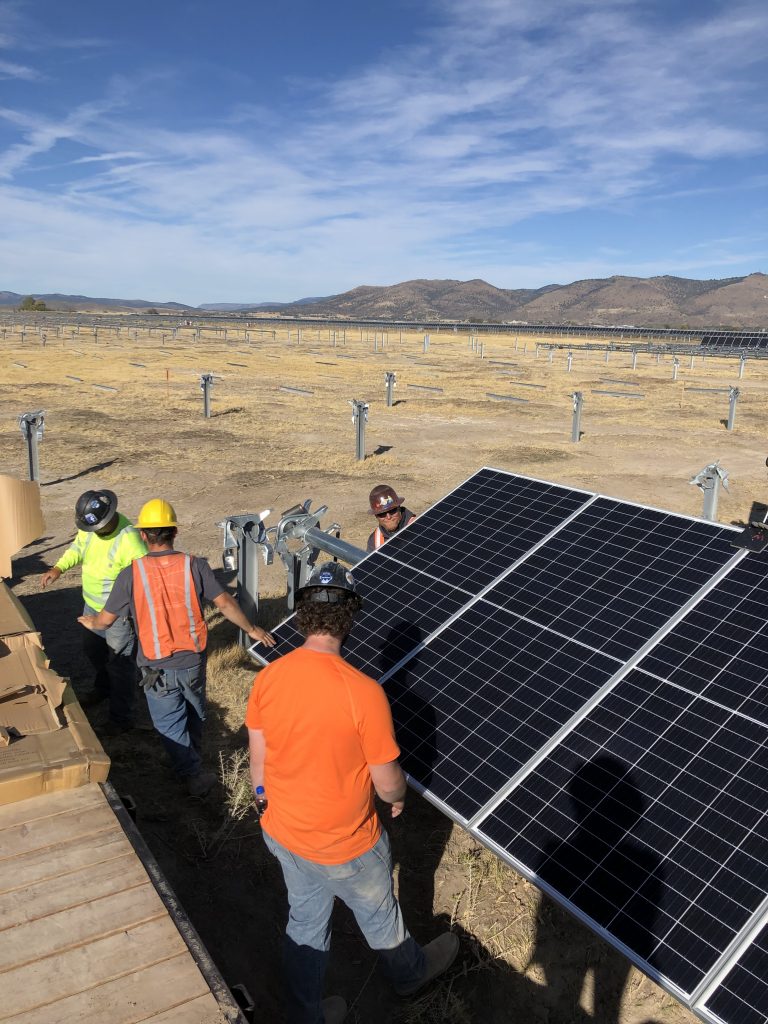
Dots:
{"x": 426, "y": 342}
{"x": 578, "y": 402}
{"x": 733, "y": 397}
{"x": 32, "y": 425}
{"x": 390, "y": 380}
{"x": 675, "y": 367}
{"x": 711, "y": 488}
{"x": 569, "y": 363}
{"x": 206, "y": 384}
{"x": 742, "y": 364}
{"x": 359, "y": 418}
{"x": 709, "y": 480}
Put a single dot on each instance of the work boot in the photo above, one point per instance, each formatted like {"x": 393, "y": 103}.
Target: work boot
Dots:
{"x": 200, "y": 784}
{"x": 439, "y": 954}
{"x": 334, "y": 1010}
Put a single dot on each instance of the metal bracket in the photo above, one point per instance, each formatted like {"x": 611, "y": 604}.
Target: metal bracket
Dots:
{"x": 244, "y": 538}
{"x": 709, "y": 479}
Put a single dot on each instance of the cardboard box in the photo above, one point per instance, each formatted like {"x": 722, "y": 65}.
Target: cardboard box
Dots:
{"x": 21, "y": 519}
{"x": 14, "y": 617}
{"x": 48, "y": 762}
{"x": 30, "y": 692}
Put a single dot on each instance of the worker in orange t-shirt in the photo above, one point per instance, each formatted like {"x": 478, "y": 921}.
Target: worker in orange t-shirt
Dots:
{"x": 322, "y": 743}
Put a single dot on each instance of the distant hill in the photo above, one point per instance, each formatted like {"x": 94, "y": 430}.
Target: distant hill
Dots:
{"x": 736, "y": 302}
{"x": 739, "y": 302}
{"x": 85, "y": 302}
{"x": 246, "y": 307}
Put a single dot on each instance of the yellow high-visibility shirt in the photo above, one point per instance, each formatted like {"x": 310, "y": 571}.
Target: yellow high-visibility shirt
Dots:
{"x": 102, "y": 558}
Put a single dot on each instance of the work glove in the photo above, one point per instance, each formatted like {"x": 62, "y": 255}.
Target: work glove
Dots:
{"x": 150, "y": 677}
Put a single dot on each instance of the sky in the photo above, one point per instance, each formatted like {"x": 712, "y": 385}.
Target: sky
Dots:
{"x": 187, "y": 151}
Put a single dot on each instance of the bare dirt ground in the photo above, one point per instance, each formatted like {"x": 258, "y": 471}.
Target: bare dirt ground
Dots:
{"x": 522, "y": 958}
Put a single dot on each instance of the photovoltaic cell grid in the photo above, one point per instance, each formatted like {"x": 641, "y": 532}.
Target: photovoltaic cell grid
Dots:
{"x": 477, "y": 531}
{"x": 743, "y": 995}
{"x": 651, "y": 819}
{"x": 400, "y": 608}
{"x": 615, "y": 574}
{"x": 482, "y": 697}
{"x": 720, "y": 649}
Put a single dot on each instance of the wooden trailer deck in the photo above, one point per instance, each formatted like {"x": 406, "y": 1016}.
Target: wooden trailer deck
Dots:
{"x": 85, "y": 935}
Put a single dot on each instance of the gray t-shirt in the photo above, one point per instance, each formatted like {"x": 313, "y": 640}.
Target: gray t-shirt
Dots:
{"x": 120, "y": 602}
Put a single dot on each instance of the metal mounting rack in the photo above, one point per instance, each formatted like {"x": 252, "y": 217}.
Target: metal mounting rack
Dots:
{"x": 297, "y": 539}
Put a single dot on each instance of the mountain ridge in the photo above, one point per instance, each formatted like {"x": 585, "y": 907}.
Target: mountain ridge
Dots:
{"x": 662, "y": 301}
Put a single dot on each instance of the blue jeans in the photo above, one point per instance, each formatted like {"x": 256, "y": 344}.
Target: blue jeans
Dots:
{"x": 112, "y": 653}
{"x": 365, "y": 885}
{"x": 177, "y": 708}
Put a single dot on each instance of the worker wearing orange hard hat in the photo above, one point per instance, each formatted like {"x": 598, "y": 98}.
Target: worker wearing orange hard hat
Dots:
{"x": 164, "y": 593}
{"x": 391, "y": 514}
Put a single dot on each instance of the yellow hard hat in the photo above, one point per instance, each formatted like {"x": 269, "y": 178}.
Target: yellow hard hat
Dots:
{"x": 156, "y": 513}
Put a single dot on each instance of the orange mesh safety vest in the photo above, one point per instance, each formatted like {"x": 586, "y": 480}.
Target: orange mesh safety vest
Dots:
{"x": 168, "y": 613}
{"x": 379, "y": 537}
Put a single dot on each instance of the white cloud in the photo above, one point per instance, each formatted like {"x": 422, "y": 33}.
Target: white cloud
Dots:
{"x": 9, "y": 70}
{"x": 420, "y": 164}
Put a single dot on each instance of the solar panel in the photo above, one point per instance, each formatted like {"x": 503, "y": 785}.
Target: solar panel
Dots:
{"x": 583, "y": 684}
{"x": 478, "y": 530}
{"x": 480, "y": 699}
{"x": 615, "y": 574}
{"x": 650, "y": 818}
{"x": 720, "y": 649}
{"x": 401, "y": 606}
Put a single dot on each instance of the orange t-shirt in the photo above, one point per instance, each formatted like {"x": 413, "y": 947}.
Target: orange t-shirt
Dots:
{"x": 323, "y": 723}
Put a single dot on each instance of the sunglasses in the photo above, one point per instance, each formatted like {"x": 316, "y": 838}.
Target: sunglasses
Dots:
{"x": 386, "y": 515}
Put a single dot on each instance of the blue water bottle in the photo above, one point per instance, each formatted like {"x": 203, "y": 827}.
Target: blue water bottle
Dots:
{"x": 261, "y": 800}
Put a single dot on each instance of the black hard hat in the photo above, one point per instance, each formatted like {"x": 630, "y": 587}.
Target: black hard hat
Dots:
{"x": 330, "y": 583}
{"x": 94, "y": 509}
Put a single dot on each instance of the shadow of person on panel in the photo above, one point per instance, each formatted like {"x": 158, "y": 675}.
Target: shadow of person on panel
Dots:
{"x": 608, "y": 875}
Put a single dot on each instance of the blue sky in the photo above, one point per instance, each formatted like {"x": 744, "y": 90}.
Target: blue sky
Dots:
{"x": 247, "y": 151}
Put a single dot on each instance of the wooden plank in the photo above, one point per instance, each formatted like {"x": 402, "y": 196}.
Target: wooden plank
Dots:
{"x": 49, "y": 805}
{"x": 77, "y": 926}
{"x": 86, "y": 967}
{"x": 61, "y": 858}
{"x": 46, "y": 832}
{"x": 58, "y": 892}
{"x": 203, "y": 1010}
{"x": 172, "y": 992}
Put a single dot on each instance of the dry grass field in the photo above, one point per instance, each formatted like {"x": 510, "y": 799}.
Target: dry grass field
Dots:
{"x": 522, "y": 960}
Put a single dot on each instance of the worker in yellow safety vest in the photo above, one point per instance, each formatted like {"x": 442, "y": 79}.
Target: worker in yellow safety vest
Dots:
{"x": 104, "y": 545}
{"x": 164, "y": 591}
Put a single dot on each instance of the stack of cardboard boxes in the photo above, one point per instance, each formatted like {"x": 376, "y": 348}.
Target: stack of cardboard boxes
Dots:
{"x": 46, "y": 742}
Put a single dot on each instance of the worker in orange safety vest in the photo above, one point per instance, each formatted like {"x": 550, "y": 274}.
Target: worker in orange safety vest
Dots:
{"x": 164, "y": 593}
{"x": 391, "y": 513}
